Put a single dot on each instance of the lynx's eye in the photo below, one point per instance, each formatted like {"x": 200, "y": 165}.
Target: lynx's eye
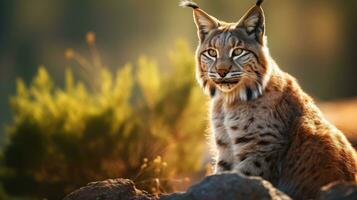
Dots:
{"x": 212, "y": 53}
{"x": 237, "y": 52}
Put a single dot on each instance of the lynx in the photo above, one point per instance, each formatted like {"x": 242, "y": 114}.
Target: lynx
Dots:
{"x": 262, "y": 122}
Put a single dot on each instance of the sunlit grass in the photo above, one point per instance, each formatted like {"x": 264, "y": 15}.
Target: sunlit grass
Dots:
{"x": 140, "y": 122}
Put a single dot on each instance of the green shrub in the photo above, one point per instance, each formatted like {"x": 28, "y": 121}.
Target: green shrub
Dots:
{"x": 63, "y": 138}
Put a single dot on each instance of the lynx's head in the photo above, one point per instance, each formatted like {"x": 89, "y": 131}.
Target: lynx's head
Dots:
{"x": 232, "y": 58}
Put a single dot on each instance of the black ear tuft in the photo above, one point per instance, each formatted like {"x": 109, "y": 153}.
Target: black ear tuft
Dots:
{"x": 186, "y": 3}
{"x": 259, "y": 2}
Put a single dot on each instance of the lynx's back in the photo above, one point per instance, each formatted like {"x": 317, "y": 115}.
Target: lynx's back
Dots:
{"x": 263, "y": 123}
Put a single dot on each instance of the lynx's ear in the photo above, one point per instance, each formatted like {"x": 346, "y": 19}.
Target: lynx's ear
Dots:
{"x": 254, "y": 22}
{"x": 204, "y": 22}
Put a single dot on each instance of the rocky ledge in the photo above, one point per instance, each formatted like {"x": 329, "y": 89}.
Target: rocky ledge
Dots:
{"x": 217, "y": 187}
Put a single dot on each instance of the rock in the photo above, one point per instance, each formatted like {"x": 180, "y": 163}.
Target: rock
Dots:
{"x": 339, "y": 191}
{"x": 229, "y": 186}
{"x": 112, "y": 189}
{"x": 226, "y": 186}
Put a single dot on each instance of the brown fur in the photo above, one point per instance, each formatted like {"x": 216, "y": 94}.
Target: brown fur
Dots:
{"x": 262, "y": 122}
{"x": 297, "y": 149}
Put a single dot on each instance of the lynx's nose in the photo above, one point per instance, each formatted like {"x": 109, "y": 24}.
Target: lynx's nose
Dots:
{"x": 222, "y": 72}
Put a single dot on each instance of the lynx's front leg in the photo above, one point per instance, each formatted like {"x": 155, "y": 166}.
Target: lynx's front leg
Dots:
{"x": 224, "y": 155}
{"x": 256, "y": 145}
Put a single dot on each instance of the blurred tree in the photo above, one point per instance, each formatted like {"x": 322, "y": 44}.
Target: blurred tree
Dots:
{"x": 60, "y": 139}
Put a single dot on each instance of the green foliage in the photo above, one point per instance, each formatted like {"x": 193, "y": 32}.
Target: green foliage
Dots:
{"x": 61, "y": 139}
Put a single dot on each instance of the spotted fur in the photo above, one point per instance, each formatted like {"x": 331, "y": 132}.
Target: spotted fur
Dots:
{"x": 263, "y": 123}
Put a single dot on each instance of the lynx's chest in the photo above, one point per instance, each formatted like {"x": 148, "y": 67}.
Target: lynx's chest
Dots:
{"x": 247, "y": 122}
{"x": 248, "y": 119}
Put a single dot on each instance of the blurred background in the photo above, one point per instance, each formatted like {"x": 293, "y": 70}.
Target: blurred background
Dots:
{"x": 101, "y": 89}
